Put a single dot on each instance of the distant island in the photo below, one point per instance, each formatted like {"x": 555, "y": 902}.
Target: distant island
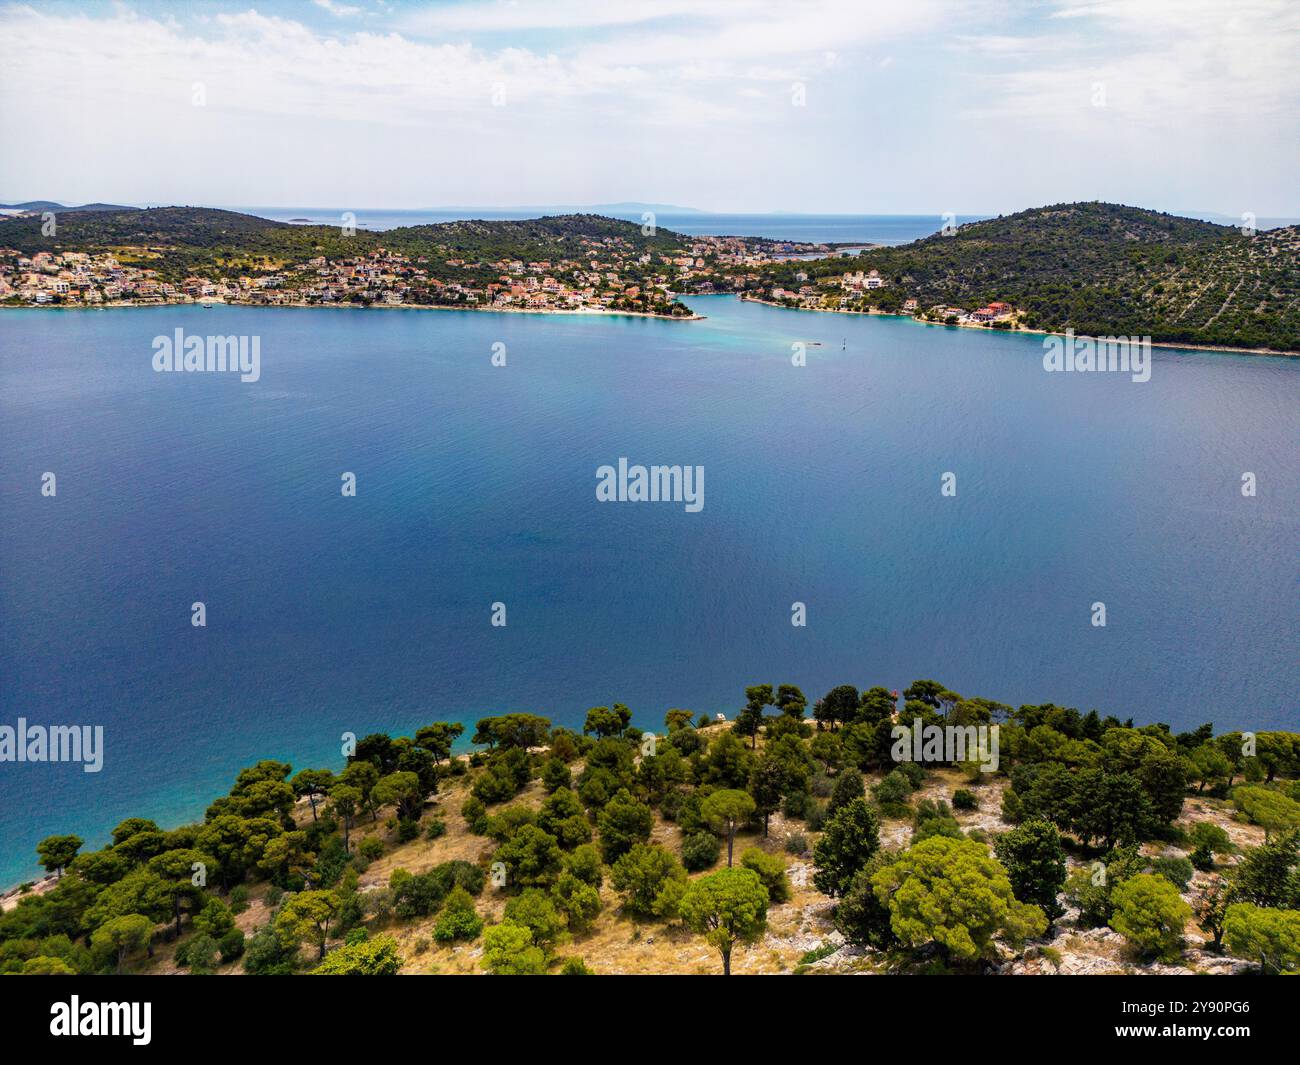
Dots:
{"x": 1099, "y": 269}
{"x": 41, "y": 206}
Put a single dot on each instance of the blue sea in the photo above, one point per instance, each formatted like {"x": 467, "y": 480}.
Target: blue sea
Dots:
{"x": 816, "y": 228}
{"x": 476, "y": 485}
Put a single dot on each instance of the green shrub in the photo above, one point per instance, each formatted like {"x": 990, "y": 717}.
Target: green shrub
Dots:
{"x": 555, "y": 775}
{"x": 1269, "y": 936}
{"x": 377, "y": 957}
{"x": 1267, "y": 807}
{"x": 265, "y": 955}
{"x": 577, "y": 900}
{"x": 459, "y": 919}
{"x": 459, "y": 873}
{"x": 1178, "y": 871}
{"x": 1207, "y": 836}
{"x": 508, "y": 950}
{"x": 796, "y": 804}
{"x": 200, "y": 955}
{"x": 817, "y": 953}
{"x": 770, "y": 869}
{"x": 700, "y": 850}
{"x": 415, "y": 895}
{"x": 849, "y": 785}
{"x": 584, "y": 863}
{"x": 1150, "y": 914}
{"x": 231, "y": 945}
{"x": 964, "y": 799}
{"x": 536, "y": 912}
{"x": 475, "y": 813}
{"x": 893, "y": 793}
{"x": 508, "y": 820}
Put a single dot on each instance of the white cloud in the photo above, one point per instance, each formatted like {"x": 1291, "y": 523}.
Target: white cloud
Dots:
{"x": 685, "y": 100}
{"x": 338, "y": 10}
{"x": 1162, "y": 62}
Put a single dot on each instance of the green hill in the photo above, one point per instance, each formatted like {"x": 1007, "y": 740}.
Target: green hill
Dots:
{"x": 203, "y": 241}
{"x": 1102, "y": 269}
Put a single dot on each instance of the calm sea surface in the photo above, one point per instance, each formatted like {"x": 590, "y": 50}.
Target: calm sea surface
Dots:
{"x": 476, "y": 485}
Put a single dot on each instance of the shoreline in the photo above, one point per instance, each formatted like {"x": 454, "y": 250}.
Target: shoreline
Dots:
{"x": 693, "y": 317}
{"x": 10, "y": 896}
{"x": 1024, "y": 330}
{"x": 128, "y": 305}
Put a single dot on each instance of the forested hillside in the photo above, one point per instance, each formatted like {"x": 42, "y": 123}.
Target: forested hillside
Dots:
{"x": 1102, "y": 269}
{"x": 199, "y": 241}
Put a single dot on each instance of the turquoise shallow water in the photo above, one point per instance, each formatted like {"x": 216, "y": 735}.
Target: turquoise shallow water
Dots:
{"x": 476, "y": 484}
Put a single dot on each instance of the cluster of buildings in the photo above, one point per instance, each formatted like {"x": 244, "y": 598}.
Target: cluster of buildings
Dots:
{"x": 603, "y": 274}
{"x": 997, "y": 311}
{"x": 611, "y": 275}
{"x": 72, "y": 277}
{"x": 848, "y": 292}
{"x": 607, "y": 277}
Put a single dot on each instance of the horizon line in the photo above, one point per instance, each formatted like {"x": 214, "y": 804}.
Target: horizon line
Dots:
{"x": 663, "y": 208}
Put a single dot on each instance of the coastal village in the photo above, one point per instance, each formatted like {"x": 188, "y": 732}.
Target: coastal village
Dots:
{"x": 852, "y": 292}
{"x": 614, "y": 275}
{"x": 608, "y": 281}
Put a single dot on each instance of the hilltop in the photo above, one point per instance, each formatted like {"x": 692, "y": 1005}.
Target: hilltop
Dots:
{"x": 201, "y": 240}
{"x": 1099, "y": 268}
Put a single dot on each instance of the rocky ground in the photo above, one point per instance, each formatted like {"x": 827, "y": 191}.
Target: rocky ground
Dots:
{"x": 800, "y": 935}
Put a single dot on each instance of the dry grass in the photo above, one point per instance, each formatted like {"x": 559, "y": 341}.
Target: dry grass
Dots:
{"x": 619, "y": 944}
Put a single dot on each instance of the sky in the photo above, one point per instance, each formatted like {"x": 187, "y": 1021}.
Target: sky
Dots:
{"x": 816, "y": 106}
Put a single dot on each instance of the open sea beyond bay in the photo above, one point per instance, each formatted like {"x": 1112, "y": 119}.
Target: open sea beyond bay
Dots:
{"x": 476, "y": 485}
{"x": 816, "y": 228}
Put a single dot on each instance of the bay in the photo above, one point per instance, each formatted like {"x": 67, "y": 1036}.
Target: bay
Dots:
{"x": 476, "y": 485}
